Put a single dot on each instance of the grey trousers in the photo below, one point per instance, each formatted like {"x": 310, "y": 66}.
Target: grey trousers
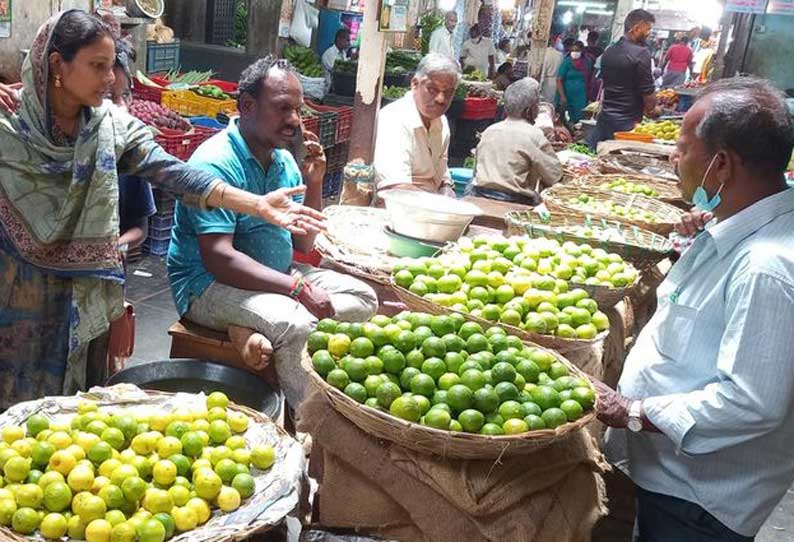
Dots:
{"x": 282, "y": 320}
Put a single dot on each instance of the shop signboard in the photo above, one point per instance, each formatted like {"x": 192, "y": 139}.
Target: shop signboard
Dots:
{"x": 781, "y": 7}
{"x": 746, "y": 6}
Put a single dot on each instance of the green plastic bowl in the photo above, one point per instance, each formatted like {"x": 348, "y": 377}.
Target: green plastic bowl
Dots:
{"x": 408, "y": 247}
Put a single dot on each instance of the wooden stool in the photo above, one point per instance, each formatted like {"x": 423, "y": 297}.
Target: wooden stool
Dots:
{"x": 189, "y": 340}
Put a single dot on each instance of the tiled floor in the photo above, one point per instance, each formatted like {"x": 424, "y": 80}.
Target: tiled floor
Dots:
{"x": 149, "y": 292}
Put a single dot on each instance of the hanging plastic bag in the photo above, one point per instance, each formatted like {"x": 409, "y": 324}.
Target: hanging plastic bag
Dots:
{"x": 305, "y": 18}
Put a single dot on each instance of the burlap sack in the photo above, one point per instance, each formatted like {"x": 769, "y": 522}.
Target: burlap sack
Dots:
{"x": 382, "y": 489}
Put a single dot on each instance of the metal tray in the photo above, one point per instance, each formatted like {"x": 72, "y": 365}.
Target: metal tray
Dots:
{"x": 193, "y": 376}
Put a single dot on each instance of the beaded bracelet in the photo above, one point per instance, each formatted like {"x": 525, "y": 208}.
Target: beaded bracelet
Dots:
{"x": 297, "y": 288}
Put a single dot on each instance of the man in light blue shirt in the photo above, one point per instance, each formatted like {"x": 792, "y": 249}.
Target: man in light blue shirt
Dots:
{"x": 702, "y": 420}
{"x": 235, "y": 273}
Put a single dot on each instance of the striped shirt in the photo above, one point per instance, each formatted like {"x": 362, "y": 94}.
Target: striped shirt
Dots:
{"x": 714, "y": 368}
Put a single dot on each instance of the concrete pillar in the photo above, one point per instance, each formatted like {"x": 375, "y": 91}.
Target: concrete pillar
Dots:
{"x": 371, "y": 62}
{"x": 263, "y": 21}
{"x": 542, "y": 14}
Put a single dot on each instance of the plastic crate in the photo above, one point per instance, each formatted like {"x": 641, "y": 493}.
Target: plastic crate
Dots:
{"x": 182, "y": 146}
{"x": 311, "y": 124}
{"x": 162, "y": 57}
{"x": 478, "y": 109}
{"x": 161, "y": 221}
{"x": 336, "y": 157}
{"x": 337, "y": 100}
{"x": 344, "y": 120}
{"x": 164, "y": 201}
{"x": 190, "y": 104}
{"x": 147, "y": 93}
{"x": 332, "y": 184}
{"x": 156, "y": 247}
{"x": 327, "y": 129}
{"x": 206, "y": 122}
{"x": 226, "y": 86}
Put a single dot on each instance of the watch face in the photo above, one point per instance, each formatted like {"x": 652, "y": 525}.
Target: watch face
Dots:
{"x": 635, "y": 425}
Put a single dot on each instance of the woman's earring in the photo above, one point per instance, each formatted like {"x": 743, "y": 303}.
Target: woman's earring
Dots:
{"x": 57, "y": 81}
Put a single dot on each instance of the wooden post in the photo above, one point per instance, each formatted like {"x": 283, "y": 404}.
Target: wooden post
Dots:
{"x": 719, "y": 56}
{"x": 371, "y": 62}
{"x": 541, "y": 28}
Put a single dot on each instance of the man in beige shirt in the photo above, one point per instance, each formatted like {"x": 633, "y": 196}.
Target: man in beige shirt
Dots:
{"x": 412, "y": 142}
{"x": 514, "y": 159}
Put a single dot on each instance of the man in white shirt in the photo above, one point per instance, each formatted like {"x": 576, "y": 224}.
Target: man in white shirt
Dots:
{"x": 337, "y": 51}
{"x": 412, "y": 142}
{"x": 479, "y": 53}
{"x": 551, "y": 65}
{"x": 442, "y": 40}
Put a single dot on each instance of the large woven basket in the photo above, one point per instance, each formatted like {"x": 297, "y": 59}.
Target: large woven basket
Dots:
{"x": 640, "y": 247}
{"x": 637, "y": 164}
{"x": 355, "y": 242}
{"x": 557, "y": 200}
{"x": 668, "y": 191}
{"x": 419, "y": 304}
{"x": 205, "y": 533}
{"x": 446, "y": 444}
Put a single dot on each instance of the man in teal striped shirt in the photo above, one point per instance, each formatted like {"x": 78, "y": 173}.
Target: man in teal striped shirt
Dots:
{"x": 702, "y": 419}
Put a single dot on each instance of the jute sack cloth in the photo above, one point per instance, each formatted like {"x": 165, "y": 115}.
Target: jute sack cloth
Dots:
{"x": 382, "y": 489}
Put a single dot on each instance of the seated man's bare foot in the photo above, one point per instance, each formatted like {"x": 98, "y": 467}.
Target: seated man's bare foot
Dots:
{"x": 254, "y": 348}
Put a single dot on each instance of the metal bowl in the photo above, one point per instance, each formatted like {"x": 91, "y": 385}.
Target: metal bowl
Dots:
{"x": 408, "y": 247}
{"x": 194, "y": 376}
{"x": 428, "y": 217}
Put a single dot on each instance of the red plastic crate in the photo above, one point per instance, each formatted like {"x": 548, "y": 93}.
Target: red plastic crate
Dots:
{"x": 225, "y": 86}
{"x": 182, "y": 146}
{"x": 311, "y": 124}
{"x": 344, "y": 119}
{"x": 143, "y": 92}
{"x": 478, "y": 109}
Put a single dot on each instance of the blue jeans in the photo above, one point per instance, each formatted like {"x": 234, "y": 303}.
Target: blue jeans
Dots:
{"x": 605, "y": 130}
{"x": 661, "y": 518}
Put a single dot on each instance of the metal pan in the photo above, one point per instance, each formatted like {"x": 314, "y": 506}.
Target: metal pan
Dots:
{"x": 193, "y": 376}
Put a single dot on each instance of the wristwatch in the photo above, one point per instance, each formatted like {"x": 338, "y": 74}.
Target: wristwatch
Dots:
{"x": 635, "y": 417}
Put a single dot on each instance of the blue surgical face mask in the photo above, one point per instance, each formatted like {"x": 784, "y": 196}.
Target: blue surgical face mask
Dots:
{"x": 701, "y": 199}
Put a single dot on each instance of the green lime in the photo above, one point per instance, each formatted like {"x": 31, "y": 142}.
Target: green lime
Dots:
{"x": 460, "y": 397}
{"x": 423, "y": 384}
{"x": 506, "y": 391}
{"x": 543, "y": 359}
{"x": 317, "y": 340}
{"x": 529, "y": 408}
{"x": 554, "y": 417}
{"x": 404, "y": 278}
{"x": 405, "y": 341}
{"x": 387, "y": 393}
{"x": 534, "y": 422}
{"x": 438, "y": 418}
{"x": 558, "y": 370}
{"x": 528, "y": 369}
{"x": 405, "y": 377}
{"x": 447, "y": 380}
{"x": 393, "y": 361}
{"x": 454, "y": 343}
{"x": 473, "y": 379}
{"x": 362, "y": 347}
{"x": 477, "y": 343}
{"x": 414, "y": 359}
{"x": 515, "y": 426}
{"x": 468, "y": 329}
{"x": 338, "y": 379}
{"x": 453, "y": 361}
{"x": 36, "y": 424}
{"x": 374, "y": 365}
{"x": 486, "y": 400}
{"x": 439, "y": 398}
{"x": 434, "y": 347}
{"x": 492, "y": 429}
{"x": 244, "y": 484}
{"x": 423, "y": 402}
{"x": 356, "y": 369}
{"x": 572, "y": 409}
{"x": 327, "y": 325}
{"x": 421, "y": 334}
{"x": 471, "y": 420}
{"x": 546, "y": 397}
{"x": 503, "y": 372}
{"x": 434, "y": 367}
{"x": 406, "y": 408}
{"x": 356, "y": 391}
{"x": 584, "y": 396}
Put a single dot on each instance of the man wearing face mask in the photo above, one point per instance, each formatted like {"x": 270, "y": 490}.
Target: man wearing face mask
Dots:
{"x": 627, "y": 75}
{"x": 701, "y": 420}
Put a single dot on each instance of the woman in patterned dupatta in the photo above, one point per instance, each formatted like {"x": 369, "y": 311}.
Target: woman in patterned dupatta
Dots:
{"x": 60, "y": 155}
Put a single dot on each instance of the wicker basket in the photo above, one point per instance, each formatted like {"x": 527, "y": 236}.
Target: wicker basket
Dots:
{"x": 640, "y": 247}
{"x": 557, "y": 199}
{"x": 668, "y": 191}
{"x": 255, "y": 527}
{"x": 419, "y": 304}
{"x": 446, "y": 444}
{"x": 635, "y": 164}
